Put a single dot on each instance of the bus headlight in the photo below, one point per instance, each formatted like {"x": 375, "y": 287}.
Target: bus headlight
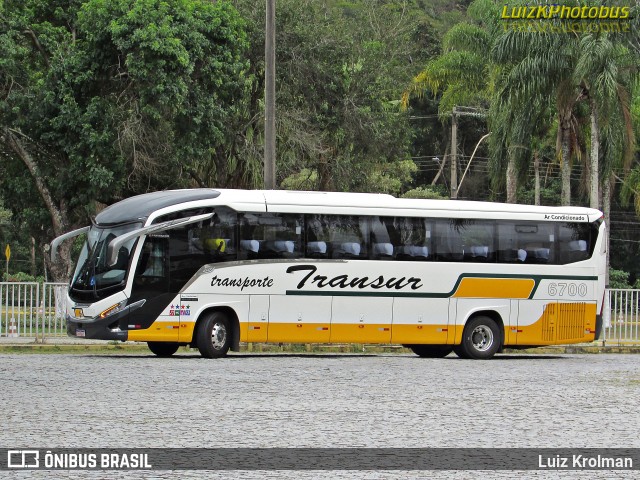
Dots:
{"x": 113, "y": 309}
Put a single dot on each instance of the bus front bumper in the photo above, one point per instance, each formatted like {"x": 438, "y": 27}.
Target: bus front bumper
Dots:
{"x": 96, "y": 328}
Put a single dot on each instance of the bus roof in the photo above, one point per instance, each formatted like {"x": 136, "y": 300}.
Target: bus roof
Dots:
{"x": 292, "y": 201}
{"x": 140, "y": 207}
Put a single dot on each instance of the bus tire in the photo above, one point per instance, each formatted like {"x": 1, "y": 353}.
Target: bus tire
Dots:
{"x": 457, "y": 349}
{"x": 163, "y": 349}
{"x": 214, "y": 335}
{"x": 481, "y": 338}
{"x": 431, "y": 351}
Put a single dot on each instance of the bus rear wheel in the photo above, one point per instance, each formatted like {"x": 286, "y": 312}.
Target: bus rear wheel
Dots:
{"x": 431, "y": 351}
{"x": 214, "y": 335}
{"x": 163, "y": 349}
{"x": 481, "y": 339}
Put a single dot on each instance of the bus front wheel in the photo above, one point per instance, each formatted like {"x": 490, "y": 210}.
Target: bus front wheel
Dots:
{"x": 431, "y": 351}
{"x": 480, "y": 340}
{"x": 163, "y": 349}
{"x": 214, "y": 335}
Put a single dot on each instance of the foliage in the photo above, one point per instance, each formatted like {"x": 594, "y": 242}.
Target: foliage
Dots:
{"x": 461, "y": 73}
{"x": 101, "y": 99}
{"x": 5, "y": 216}
{"x": 430, "y": 192}
{"x": 618, "y": 279}
{"x": 305, "y": 179}
{"x": 21, "y": 277}
{"x": 337, "y": 74}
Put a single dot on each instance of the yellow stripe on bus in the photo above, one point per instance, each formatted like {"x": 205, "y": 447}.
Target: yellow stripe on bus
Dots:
{"x": 495, "y": 288}
{"x": 157, "y": 332}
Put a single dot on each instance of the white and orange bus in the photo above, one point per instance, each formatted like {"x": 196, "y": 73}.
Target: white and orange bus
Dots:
{"x": 212, "y": 268}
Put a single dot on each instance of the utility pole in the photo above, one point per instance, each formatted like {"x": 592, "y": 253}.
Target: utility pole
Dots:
{"x": 270, "y": 97}
{"x": 457, "y": 112}
{"x": 454, "y": 152}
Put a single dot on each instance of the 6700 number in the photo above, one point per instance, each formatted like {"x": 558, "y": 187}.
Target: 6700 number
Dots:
{"x": 569, "y": 289}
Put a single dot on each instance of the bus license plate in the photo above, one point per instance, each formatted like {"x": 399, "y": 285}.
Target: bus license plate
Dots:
{"x": 79, "y": 332}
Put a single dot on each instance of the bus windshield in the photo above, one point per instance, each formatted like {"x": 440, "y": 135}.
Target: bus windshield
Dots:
{"x": 93, "y": 278}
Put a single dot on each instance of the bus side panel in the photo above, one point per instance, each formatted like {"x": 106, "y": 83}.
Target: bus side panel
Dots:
{"x": 467, "y": 307}
{"x": 258, "y": 324}
{"x": 361, "y": 319}
{"x": 543, "y": 322}
{"x": 299, "y": 319}
{"x": 166, "y": 328}
{"x": 192, "y": 309}
{"x": 420, "y": 321}
{"x": 511, "y": 328}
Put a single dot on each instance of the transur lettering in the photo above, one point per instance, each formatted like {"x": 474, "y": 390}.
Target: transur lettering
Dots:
{"x": 345, "y": 281}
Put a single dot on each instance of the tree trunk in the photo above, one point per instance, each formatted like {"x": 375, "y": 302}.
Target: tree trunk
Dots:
{"x": 325, "y": 181}
{"x": 33, "y": 257}
{"x": 62, "y": 269}
{"x": 606, "y": 210}
{"x": 595, "y": 152}
{"x": 512, "y": 180}
{"x": 565, "y": 150}
{"x": 536, "y": 169}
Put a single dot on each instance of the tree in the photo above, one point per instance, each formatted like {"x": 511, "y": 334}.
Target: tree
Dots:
{"x": 461, "y": 74}
{"x": 575, "y": 68}
{"x": 606, "y": 71}
{"x": 539, "y": 65}
{"x": 99, "y": 99}
{"x": 338, "y": 126}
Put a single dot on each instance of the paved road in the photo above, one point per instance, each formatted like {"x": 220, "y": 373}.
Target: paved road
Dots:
{"x": 92, "y": 401}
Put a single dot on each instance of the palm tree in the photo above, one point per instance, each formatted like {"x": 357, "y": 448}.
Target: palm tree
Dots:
{"x": 606, "y": 70}
{"x": 462, "y": 74}
{"x": 540, "y": 66}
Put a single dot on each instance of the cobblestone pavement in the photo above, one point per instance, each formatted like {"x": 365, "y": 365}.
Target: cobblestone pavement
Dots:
{"x": 316, "y": 400}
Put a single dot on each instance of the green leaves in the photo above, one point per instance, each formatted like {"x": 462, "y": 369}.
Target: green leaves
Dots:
{"x": 112, "y": 97}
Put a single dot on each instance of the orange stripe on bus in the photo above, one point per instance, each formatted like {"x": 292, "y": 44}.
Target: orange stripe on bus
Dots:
{"x": 495, "y": 288}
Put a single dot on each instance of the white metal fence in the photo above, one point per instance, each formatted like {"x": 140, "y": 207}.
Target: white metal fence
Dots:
{"x": 30, "y": 309}
{"x": 621, "y": 317}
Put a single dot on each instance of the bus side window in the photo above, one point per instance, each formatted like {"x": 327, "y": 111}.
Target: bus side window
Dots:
{"x": 574, "y": 239}
{"x": 271, "y": 235}
{"x": 250, "y": 236}
{"x": 318, "y": 238}
{"x": 382, "y": 247}
{"x": 478, "y": 238}
{"x": 350, "y": 237}
{"x": 282, "y": 236}
{"x": 449, "y": 246}
{"x": 151, "y": 272}
{"x": 537, "y": 240}
{"x": 509, "y": 248}
{"x": 217, "y": 239}
{"x": 414, "y": 242}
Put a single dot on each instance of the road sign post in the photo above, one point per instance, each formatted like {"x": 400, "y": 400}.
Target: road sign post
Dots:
{"x": 7, "y": 254}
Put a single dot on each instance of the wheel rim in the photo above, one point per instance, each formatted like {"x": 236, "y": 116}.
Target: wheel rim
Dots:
{"x": 482, "y": 338}
{"x": 218, "y": 336}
